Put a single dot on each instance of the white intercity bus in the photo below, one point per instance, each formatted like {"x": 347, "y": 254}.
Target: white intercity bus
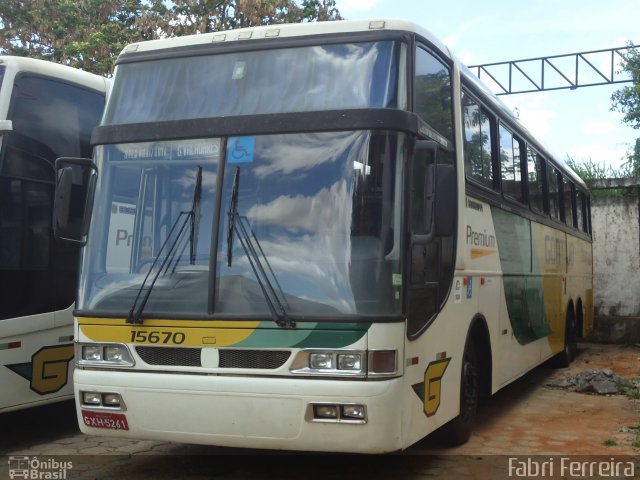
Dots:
{"x": 46, "y": 111}
{"x": 323, "y": 237}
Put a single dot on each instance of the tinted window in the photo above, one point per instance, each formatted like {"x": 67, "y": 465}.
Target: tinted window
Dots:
{"x": 567, "y": 201}
{"x": 304, "y": 79}
{"x": 510, "y": 164}
{"x": 433, "y": 93}
{"x": 535, "y": 179}
{"x": 477, "y": 142}
{"x": 580, "y": 211}
{"x": 50, "y": 119}
{"x": 554, "y": 192}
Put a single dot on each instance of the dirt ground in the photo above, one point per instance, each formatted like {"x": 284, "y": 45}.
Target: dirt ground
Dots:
{"x": 529, "y": 417}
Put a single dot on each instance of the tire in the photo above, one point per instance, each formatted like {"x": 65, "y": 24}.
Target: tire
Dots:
{"x": 458, "y": 430}
{"x": 568, "y": 353}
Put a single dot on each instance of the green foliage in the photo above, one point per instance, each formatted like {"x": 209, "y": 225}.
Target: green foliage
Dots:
{"x": 631, "y": 168}
{"x": 610, "y": 443}
{"x": 590, "y": 170}
{"x": 89, "y": 34}
{"x": 627, "y": 99}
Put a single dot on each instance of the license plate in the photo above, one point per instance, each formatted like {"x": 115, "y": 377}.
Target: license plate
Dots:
{"x": 112, "y": 421}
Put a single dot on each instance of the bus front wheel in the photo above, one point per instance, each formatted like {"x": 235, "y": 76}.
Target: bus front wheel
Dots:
{"x": 458, "y": 430}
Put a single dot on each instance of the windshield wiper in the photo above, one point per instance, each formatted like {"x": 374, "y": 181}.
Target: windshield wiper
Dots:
{"x": 195, "y": 223}
{"x": 251, "y": 246}
{"x": 190, "y": 217}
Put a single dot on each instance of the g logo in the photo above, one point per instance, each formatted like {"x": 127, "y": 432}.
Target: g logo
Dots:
{"x": 50, "y": 368}
{"x": 433, "y": 385}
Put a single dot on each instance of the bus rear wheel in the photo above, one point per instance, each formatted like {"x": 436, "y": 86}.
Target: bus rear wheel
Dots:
{"x": 568, "y": 353}
{"x": 458, "y": 430}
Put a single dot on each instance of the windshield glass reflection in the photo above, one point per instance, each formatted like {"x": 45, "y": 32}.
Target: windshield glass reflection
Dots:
{"x": 316, "y": 230}
{"x": 322, "y": 208}
{"x": 153, "y": 208}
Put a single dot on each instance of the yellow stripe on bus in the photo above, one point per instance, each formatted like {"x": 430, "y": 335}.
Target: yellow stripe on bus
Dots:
{"x": 165, "y": 336}
{"x": 188, "y": 333}
{"x": 481, "y": 252}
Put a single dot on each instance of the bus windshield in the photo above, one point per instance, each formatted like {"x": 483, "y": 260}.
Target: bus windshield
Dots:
{"x": 317, "y": 213}
{"x": 285, "y": 80}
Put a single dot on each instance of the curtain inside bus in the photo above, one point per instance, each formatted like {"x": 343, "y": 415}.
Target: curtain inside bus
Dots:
{"x": 359, "y": 75}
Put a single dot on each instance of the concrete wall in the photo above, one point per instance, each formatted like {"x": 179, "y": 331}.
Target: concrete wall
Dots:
{"x": 616, "y": 267}
{"x": 616, "y": 255}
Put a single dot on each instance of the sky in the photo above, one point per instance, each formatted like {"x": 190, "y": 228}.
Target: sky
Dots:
{"x": 571, "y": 123}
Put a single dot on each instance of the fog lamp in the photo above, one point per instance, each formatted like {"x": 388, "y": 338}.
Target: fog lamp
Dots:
{"x": 91, "y": 398}
{"x": 325, "y": 411}
{"x": 356, "y": 412}
{"x": 111, "y": 400}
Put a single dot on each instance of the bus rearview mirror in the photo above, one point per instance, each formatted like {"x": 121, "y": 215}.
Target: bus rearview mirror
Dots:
{"x": 73, "y": 199}
{"x": 6, "y": 126}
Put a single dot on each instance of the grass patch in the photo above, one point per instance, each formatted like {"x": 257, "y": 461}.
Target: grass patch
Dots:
{"x": 631, "y": 392}
{"x": 636, "y": 441}
{"x": 610, "y": 443}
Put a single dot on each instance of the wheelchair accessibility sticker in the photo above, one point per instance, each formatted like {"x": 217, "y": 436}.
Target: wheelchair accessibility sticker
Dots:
{"x": 240, "y": 149}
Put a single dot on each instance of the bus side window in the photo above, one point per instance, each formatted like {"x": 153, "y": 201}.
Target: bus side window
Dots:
{"x": 568, "y": 198}
{"x": 478, "y": 128}
{"x": 510, "y": 165}
{"x": 51, "y": 119}
{"x": 433, "y": 93}
{"x": 580, "y": 211}
{"x": 535, "y": 180}
{"x": 553, "y": 192}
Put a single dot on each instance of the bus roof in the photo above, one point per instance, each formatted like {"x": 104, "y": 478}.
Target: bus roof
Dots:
{"x": 270, "y": 32}
{"x": 63, "y": 72}
{"x": 288, "y": 30}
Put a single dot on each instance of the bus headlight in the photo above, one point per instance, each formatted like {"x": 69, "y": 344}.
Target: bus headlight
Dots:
{"x": 330, "y": 363}
{"x": 346, "y": 363}
{"x": 91, "y": 353}
{"x": 349, "y": 361}
{"x": 321, "y": 361}
{"x": 103, "y": 354}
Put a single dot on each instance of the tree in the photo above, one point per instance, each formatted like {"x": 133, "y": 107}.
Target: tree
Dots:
{"x": 89, "y": 34}
{"x": 631, "y": 167}
{"x": 627, "y": 99}
{"x": 590, "y": 170}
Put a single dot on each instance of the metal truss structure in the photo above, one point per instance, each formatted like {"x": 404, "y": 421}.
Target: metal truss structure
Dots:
{"x": 569, "y": 71}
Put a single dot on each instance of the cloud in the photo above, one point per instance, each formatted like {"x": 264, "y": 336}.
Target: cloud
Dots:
{"x": 593, "y": 127}
{"x": 357, "y": 5}
{"x": 612, "y": 155}
{"x": 534, "y": 113}
{"x": 472, "y": 25}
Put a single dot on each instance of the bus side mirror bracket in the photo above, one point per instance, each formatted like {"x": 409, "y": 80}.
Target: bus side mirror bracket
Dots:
{"x": 73, "y": 199}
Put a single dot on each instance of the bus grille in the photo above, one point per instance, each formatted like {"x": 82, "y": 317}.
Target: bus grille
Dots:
{"x": 229, "y": 358}
{"x": 173, "y": 356}
{"x": 268, "y": 359}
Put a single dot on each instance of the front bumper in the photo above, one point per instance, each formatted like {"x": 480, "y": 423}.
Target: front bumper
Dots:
{"x": 247, "y": 411}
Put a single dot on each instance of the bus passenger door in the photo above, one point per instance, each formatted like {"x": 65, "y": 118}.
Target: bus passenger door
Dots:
{"x": 431, "y": 248}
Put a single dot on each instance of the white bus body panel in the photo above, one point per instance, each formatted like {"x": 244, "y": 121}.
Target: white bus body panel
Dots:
{"x": 251, "y": 412}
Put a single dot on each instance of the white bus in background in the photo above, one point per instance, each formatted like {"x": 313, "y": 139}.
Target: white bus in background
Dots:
{"x": 46, "y": 111}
